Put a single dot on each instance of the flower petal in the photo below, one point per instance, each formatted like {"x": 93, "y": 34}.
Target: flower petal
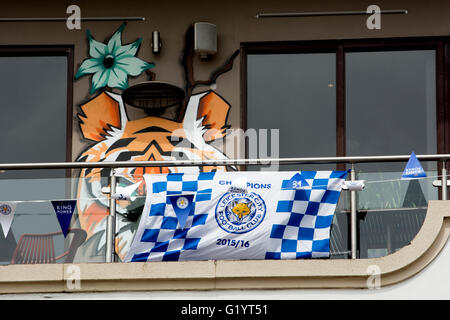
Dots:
{"x": 132, "y": 65}
{"x": 115, "y": 42}
{"x": 129, "y": 49}
{"x": 100, "y": 80}
{"x": 118, "y": 78}
{"x": 97, "y": 49}
{"x": 89, "y": 66}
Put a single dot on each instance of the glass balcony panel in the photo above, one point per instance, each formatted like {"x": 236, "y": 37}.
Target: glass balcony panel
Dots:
{"x": 35, "y": 214}
{"x": 386, "y": 190}
{"x": 390, "y": 210}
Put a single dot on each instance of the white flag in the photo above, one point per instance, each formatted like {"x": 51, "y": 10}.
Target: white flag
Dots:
{"x": 7, "y": 210}
{"x": 126, "y": 193}
{"x": 267, "y": 218}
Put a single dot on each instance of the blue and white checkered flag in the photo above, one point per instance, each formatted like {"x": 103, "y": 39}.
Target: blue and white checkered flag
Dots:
{"x": 279, "y": 215}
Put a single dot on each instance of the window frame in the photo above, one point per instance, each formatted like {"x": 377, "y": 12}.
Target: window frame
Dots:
{"x": 441, "y": 45}
{"x": 51, "y": 50}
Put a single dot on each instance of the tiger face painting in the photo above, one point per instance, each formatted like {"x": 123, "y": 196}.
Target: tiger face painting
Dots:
{"x": 116, "y": 138}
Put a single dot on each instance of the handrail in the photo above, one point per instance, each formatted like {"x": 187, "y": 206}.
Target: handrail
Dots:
{"x": 214, "y": 162}
{"x": 232, "y": 162}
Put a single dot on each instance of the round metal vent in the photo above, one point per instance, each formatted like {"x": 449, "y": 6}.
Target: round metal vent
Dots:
{"x": 153, "y": 96}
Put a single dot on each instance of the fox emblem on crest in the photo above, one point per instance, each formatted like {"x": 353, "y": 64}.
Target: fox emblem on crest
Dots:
{"x": 104, "y": 122}
{"x": 241, "y": 209}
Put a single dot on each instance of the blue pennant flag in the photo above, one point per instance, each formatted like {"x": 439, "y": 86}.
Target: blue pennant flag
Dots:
{"x": 183, "y": 206}
{"x": 297, "y": 182}
{"x": 413, "y": 169}
{"x": 64, "y": 210}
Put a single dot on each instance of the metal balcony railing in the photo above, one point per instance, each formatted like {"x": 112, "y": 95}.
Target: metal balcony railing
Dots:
{"x": 352, "y": 161}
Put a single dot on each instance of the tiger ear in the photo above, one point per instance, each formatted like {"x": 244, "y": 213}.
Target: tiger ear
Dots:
{"x": 211, "y": 110}
{"x": 214, "y": 111}
{"x": 101, "y": 115}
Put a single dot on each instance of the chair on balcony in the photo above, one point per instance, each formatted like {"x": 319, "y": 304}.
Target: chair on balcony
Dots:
{"x": 40, "y": 248}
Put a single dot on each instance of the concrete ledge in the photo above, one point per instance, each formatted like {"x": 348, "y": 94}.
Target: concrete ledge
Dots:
{"x": 227, "y": 274}
{"x": 31, "y": 273}
{"x": 147, "y": 271}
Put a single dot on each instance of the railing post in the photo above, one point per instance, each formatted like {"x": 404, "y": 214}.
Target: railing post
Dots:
{"x": 444, "y": 180}
{"x": 111, "y": 219}
{"x": 353, "y": 220}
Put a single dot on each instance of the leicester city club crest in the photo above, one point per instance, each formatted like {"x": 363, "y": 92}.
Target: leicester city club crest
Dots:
{"x": 240, "y": 212}
{"x": 5, "y": 209}
{"x": 182, "y": 202}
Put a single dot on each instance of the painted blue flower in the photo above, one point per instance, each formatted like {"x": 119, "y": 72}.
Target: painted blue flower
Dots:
{"x": 112, "y": 63}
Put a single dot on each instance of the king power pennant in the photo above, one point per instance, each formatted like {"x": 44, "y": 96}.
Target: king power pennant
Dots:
{"x": 413, "y": 169}
{"x": 64, "y": 210}
{"x": 279, "y": 215}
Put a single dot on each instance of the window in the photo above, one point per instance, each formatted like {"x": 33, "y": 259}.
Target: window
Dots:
{"x": 355, "y": 98}
{"x": 294, "y": 93}
{"x": 390, "y": 102}
{"x": 35, "y": 125}
{"x": 36, "y": 104}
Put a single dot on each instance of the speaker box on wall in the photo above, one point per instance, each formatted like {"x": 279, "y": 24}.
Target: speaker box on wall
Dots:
{"x": 205, "y": 39}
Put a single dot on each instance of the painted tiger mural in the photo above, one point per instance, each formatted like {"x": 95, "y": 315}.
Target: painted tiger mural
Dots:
{"x": 104, "y": 122}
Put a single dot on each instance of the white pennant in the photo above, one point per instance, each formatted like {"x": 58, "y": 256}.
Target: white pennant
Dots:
{"x": 7, "y": 210}
{"x": 125, "y": 193}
